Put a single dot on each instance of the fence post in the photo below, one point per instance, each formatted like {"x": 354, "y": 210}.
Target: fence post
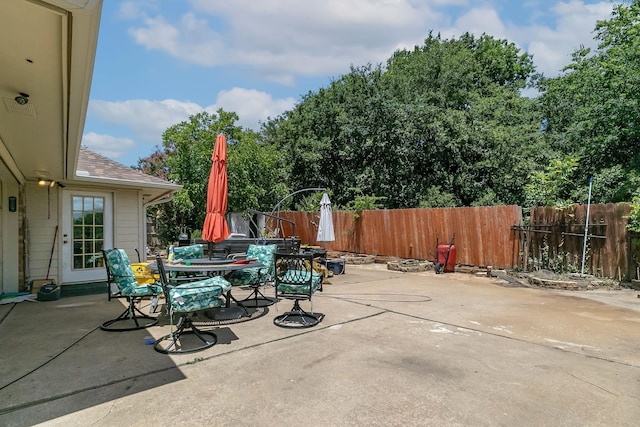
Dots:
{"x": 586, "y": 228}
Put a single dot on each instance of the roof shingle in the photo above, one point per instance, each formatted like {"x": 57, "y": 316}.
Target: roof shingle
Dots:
{"x": 94, "y": 165}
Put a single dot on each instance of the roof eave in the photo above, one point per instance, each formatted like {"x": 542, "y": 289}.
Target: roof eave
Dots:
{"x": 152, "y": 192}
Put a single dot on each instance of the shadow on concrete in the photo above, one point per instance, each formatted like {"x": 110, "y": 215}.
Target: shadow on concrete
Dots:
{"x": 57, "y": 360}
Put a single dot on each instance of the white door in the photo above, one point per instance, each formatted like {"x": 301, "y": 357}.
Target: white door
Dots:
{"x": 87, "y": 228}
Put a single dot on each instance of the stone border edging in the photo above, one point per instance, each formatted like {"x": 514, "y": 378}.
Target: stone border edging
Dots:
{"x": 410, "y": 265}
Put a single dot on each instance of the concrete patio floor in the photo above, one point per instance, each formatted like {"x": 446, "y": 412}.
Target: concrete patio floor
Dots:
{"x": 394, "y": 349}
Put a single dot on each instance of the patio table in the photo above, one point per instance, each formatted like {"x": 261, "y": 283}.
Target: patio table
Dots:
{"x": 206, "y": 265}
{"x": 213, "y": 267}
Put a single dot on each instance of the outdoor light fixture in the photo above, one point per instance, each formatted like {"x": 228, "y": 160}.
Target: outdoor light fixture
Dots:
{"x": 46, "y": 182}
{"x": 13, "y": 203}
{"x": 22, "y": 99}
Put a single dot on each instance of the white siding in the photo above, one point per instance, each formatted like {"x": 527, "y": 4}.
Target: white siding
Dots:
{"x": 128, "y": 232}
{"x": 41, "y": 207}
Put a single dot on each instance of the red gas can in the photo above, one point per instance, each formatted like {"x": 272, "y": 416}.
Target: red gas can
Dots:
{"x": 447, "y": 257}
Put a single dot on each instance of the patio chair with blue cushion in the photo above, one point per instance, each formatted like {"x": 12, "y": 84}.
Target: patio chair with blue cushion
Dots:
{"x": 296, "y": 280}
{"x": 183, "y": 302}
{"x": 257, "y": 277}
{"x": 120, "y": 274}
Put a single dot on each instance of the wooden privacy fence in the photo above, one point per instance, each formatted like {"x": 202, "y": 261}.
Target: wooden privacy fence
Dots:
{"x": 483, "y": 235}
{"x": 554, "y": 239}
{"x": 490, "y": 235}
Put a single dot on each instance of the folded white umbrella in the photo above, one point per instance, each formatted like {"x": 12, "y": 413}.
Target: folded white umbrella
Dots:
{"x": 325, "y": 228}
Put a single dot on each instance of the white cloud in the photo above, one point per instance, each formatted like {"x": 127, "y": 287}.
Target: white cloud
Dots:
{"x": 477, "y": 21}
{"x": 252, "y": 106}
{"x": 191, "y": 40}
{"x": 285, "y": 38}
{"x": 129, "y": 10}
{"x": 107, "y": 145}
{"x": 133, "y": 9}
{"x": 552, "y": 47}
{"x": 147, "y": 119}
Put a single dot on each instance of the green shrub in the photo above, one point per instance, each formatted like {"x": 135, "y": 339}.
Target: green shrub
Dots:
{"x": 634, "y": 216}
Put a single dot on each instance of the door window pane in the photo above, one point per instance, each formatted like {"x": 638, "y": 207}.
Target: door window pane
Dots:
{"x": 88, "y": 231}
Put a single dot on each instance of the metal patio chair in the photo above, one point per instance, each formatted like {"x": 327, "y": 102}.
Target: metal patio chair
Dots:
{"x": 184, "y": 301}
{"x": 183, "y": 254}
{"x": 120, "y": 274}
{"x": 296, "y": 280}
{"x": 188, "y": 252}
{"x": 256, "y": 278}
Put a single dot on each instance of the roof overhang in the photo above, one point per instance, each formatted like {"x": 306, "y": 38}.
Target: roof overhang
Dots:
{"x": 47, "y": 51}
{"x": 152, "y": 193}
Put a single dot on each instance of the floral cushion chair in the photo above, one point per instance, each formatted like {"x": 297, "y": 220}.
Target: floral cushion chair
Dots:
{"x": 182, "y": 302}
{"x": 256, "y": 277}
{"x": 184, "y": 254}
{"x": 120, "y": 274}
{"x": 188, "y": 252}
{"x": 296, "y": 279}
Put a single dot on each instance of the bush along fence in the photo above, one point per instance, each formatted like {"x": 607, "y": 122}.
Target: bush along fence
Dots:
{"x": 490, "y": 236}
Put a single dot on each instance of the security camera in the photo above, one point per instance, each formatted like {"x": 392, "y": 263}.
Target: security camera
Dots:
{"x": 22, "y": 99}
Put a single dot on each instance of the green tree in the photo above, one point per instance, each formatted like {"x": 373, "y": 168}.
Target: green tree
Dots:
{"x": 592, "y": 109}
{"x": 436, "y": 197}
{"x": 555, "y": 185}
{"x": 634, "y": 216}
{"x": 447, "y": 114}
{"x": 256, "y": 179}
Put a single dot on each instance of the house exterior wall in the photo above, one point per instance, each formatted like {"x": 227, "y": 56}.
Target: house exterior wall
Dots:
{"x": 10, "y": 261}
{"x": 128, "y": 223}
{"x": 44, "y": 212}
{"x": 41, "y": 218}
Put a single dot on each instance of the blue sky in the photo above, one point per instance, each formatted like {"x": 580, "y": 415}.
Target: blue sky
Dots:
{"x": 160, "y": 61}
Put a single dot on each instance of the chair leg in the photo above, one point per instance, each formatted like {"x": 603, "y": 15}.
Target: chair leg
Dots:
{"x": 298, "y": 318}
{"x": 257, "y": 299}
{"x": 131, "y": 314}
{"x": 229, "y": 297}
{"x": 174, "y": 343}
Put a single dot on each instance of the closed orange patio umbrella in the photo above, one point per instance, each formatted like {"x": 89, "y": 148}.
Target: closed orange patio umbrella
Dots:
{"x": 215, "y": 227}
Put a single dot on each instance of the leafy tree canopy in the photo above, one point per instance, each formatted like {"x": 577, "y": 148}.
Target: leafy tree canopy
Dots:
{"x": 255, "y": 177}
{"x": 445, "y": 115}
{"x": 591, "y": 110}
